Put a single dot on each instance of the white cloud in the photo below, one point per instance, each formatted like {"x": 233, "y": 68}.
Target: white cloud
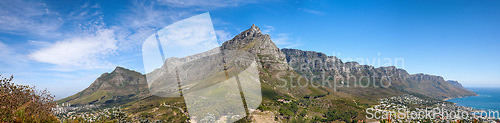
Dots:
{"x": 147, "y": 14}
{"x": 11, "y": 56}
{"x": 311, "y": 11}
{"x": 146, "y": 17}
{"x": 36, "y": 19}
{"x": 223, "y": 36}
{"x": 189, "y": 36}
{"x": 86, "y": 13}
{"x": 26, "y": 17}
{"x": 283, "y": 40}
{"x": 2, "y": 46}
{"x": 85, "y": 52}
{"x": 4, "y": 51}
{"x": 39, "y": 43}
{"x": 160, "y": 13}
{"x": 142, "y": 19}
{"x": 86, "y": 47}
{"x": 205, "y": 3}
{"x": 267, "y": 29}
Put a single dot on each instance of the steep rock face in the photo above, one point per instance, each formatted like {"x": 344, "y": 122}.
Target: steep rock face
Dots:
{"x": 317, "y": 65}
{"x": 110, "y": 87}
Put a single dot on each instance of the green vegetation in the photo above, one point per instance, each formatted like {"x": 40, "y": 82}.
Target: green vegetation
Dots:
{"x": 22, "y": 103}
{"x": 334, "y": 114}
{"x": 316, "y": 93}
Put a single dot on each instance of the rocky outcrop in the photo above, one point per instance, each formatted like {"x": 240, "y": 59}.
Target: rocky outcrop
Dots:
{"x": 253, "y": 41}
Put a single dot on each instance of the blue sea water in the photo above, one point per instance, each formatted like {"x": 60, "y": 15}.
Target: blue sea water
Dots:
{"x": 488, "y": 99}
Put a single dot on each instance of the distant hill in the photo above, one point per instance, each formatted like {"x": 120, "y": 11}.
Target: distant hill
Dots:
{"x": 120, "y": 86}
{"x": 129, "y": 89}
{"x": 456, "y": 84}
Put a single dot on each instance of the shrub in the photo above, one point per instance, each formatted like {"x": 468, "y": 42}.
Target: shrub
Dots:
{"x": 22, "y": 103}
{"x": 285, "y": 112}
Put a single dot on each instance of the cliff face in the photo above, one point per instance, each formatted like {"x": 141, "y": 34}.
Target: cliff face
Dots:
{"x": 318, "y": 65}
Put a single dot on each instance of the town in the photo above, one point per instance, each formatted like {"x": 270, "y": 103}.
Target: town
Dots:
{"x": 408, "y": 108}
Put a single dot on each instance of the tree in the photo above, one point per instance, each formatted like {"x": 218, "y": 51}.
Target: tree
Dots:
{"x": 22, "y": 103}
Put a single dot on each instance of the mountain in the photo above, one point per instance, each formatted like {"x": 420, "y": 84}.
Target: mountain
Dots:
{"x": 456, "y": 84}
{"x": 121, "y": 85}
{"x": 318, "y": 65}
{"x": 253, "y": 41}
{"x": 288, "y": 92}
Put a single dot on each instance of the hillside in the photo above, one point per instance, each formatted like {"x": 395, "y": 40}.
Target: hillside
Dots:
{"x": 282, "y": 99}
{"x": 120, "y": 86}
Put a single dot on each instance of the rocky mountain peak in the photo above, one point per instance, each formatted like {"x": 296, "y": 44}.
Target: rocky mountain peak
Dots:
{"x": 252, "y": 40}
{"x": 253, "y": 32}
{"x": 119, "y": 69}
{"x": 119, "y": 77}
{"x": 121, "y": 82}
{"x": 254, "y": 29}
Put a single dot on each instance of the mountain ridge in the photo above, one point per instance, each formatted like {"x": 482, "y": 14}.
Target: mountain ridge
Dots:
{"x": 276, "y": 66}
{"x": 253, "y": 41}
{"x": 425, "y": 84}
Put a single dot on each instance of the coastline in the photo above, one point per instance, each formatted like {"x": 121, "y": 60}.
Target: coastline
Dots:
{"x": 449, "y": 98}
{"x": 458, "y": 102}
{"x": 473, "y": 108}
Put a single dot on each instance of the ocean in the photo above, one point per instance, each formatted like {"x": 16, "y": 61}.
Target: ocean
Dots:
{"x": 488, "y": 99}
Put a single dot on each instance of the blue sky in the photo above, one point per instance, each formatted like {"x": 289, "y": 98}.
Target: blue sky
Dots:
{"x": 65, "y": 45}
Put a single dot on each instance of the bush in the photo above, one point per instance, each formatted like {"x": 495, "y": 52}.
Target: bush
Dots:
{"x": 263, "y": 108}
{"x": 303, "y": 113}
{"x": 285, "y": 112}
{"x": 22, "y": 103}
{"x": 344, "y": 115}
